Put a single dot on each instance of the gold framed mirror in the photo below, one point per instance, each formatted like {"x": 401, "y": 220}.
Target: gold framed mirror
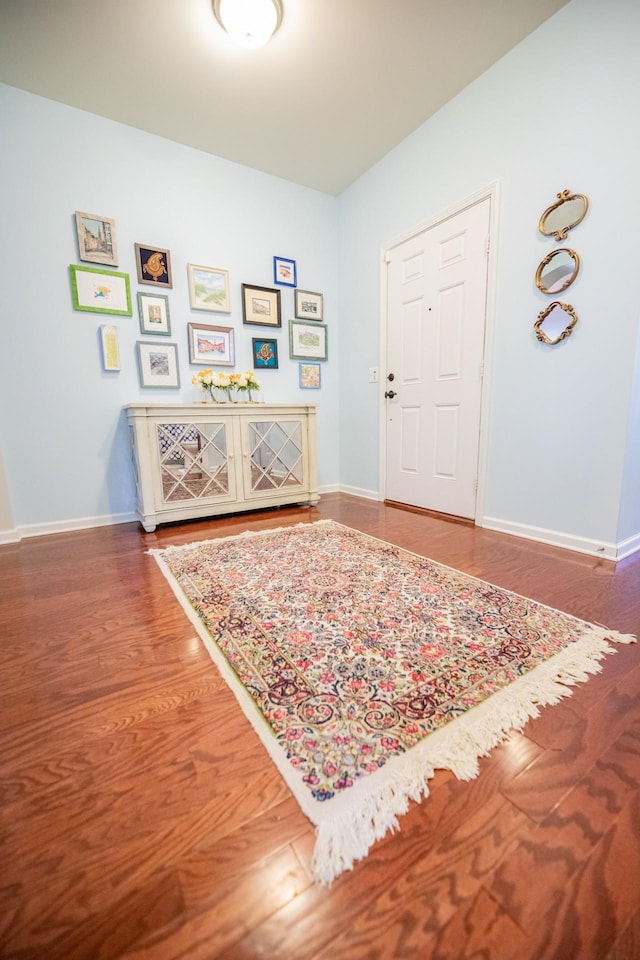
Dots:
{"x": 566, "y": 213}
{"x": 555, "y": 323}
{"x": 558, "y": 270}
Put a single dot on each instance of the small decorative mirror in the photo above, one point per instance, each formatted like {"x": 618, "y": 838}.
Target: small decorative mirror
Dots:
{"x": 562, "y": 216}
{"x": 555, "y": 323}
{"x": 558, "y": 270}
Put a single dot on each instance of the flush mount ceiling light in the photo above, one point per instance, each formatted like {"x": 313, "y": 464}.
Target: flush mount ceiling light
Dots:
{"x": 249, "y": 23}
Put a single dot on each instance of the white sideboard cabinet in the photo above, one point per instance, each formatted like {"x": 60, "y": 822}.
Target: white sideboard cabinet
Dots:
{"x": 205, "y": 459}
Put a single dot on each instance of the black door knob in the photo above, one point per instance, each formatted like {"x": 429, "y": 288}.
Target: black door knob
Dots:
{"x": 391, "y": 376}
{"x": 390, "y": 394}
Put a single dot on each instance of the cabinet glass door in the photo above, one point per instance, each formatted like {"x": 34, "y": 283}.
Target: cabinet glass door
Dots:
{"x": 194, "y": 461}
{"x": 275, "y": 455}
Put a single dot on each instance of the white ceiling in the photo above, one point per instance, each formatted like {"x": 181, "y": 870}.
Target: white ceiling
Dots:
{"x": 339, "y": 85}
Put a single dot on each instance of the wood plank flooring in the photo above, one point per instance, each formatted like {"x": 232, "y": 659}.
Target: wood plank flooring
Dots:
{"x": 141, "y": 819}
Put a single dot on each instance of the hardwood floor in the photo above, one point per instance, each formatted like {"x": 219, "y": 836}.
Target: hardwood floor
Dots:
{"x": 142, "y": 819}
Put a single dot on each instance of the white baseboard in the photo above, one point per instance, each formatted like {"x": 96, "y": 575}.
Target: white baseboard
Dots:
{"x": 329, "y": 488}
{"x": 78, "y": 523}
{"x": 359, "y": 492}
{"x": 555, "y": 538}
{"x": 10, "y": 536}
{"x": 628, "y": 546}
{"x": 568, "y": 541}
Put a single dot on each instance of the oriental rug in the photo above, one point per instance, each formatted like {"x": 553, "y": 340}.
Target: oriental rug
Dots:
{"x": 364, "y": 667}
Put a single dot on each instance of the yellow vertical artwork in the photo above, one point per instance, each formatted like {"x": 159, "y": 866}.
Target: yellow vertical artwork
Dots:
{"x": 110, "y": 349}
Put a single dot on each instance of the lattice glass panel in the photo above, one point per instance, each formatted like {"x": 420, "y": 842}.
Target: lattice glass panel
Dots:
{"x": 134, "y": 462}
{"x": 275, "y": 455}
{"x": 193, "y": 460}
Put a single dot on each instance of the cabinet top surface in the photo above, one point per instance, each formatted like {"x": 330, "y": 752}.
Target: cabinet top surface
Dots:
{"x": 221, "y": 408}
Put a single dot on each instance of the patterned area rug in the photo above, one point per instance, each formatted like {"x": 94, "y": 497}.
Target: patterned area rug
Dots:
{"x": 370, "y": 666}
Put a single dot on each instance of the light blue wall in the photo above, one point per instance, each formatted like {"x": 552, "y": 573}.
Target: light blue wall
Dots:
{"x": 629, "y": 523}
{"x": 61, "y": 428}
{"x": 557, "y": 112}
{"x": 564, "y": 437}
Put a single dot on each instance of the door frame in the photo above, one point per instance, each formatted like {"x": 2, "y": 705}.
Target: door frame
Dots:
{"x": 491, "y": 192}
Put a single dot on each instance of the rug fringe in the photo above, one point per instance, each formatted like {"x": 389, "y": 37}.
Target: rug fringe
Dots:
{"x": 158, "y": 551}
{"x": 348, "y": 832}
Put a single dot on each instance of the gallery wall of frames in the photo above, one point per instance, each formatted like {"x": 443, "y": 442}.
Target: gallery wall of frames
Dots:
{"x": 168, "y": 328}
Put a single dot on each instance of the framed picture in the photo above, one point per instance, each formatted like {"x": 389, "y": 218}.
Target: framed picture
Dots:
{"x": 209, "y": 288}
{"x": 307, "y": 341}
{"x": 153, "y": 265}
{"x": 96, "y": 238}
{"x": 110, "y": 349}
{"x": 308, "y": 305}
{"x": 310, "y": 376}
{"x": 153, "y": 310}
{"x": 211, "y": 346}
{"x": 261, "y": 305}
{"x": 158, "y": 364}
{"x": 265, "y": 354}
{"x": 100, "y": 291}
{"x": 284, "y": 272}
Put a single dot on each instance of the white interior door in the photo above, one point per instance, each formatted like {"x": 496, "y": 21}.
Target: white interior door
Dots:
{"x": 436, "y": 309}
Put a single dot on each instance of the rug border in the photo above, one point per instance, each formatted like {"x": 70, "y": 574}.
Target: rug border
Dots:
{"x": 244, "y": 699}
{"x": 342, "y": 836}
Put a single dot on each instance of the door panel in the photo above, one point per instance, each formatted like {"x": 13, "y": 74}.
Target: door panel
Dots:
{"x": 446, "y": 441}
{"x": 436, "y": 285}
{"x": 450, "y": 322}
{"x": 411, "y": 340}
{"x": 410, "y": 438}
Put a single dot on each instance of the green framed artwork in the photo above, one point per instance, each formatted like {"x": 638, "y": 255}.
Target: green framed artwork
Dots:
{"x": 157, "y": 364}
{"x": 100, "y": 291}
{"x": 153, "y": 309}
{"x": 307, "y": 341}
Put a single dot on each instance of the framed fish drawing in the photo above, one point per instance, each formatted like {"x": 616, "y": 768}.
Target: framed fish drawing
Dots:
{"x": 100, "y": 291}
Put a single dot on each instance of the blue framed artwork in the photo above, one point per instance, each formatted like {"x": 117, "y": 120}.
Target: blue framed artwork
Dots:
{"x": 310, "y": 376}
{"x": 284, "y": 272}
{"x": 265, "y": 353}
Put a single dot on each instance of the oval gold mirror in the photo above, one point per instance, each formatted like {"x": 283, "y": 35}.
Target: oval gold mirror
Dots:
{"x": 558, "y": 270}
{"x": 568, "y": 211}
{"x": 555, "y": 323}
